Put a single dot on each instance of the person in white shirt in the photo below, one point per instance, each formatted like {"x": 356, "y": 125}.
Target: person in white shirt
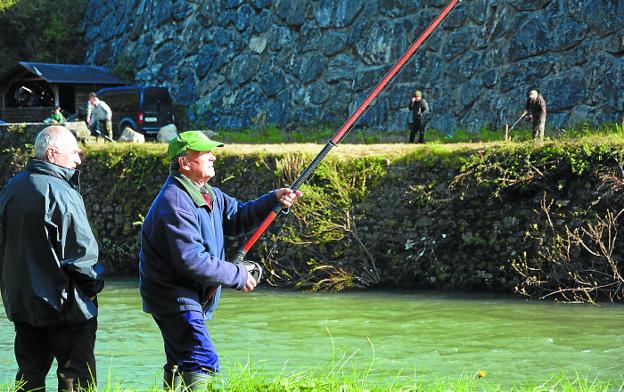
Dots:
{"x": 99, "y": 117}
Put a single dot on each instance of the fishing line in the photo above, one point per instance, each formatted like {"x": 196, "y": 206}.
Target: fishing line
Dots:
{"x": 354, "y": 118}
{"x": 382, "y": 94}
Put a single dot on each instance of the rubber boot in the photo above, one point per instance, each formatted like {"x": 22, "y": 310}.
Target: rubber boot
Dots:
{"x": 109, "y": 130}
{"x": 22, "y": 385}
{"x": 75, "y": 384}
{"x": 195, "y": 381}
{"x": 67, "y": 385}
{"x": 172, "y": 381}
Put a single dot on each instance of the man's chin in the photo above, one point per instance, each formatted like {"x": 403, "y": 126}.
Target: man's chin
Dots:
{"x": 209, "y": 175}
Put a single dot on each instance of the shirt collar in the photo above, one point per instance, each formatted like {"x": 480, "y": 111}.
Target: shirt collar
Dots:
{"x": 72, "y": 176}
{"x": 192, "y": 189}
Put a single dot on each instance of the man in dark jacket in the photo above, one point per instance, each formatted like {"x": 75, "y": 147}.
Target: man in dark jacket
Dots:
{"x": 49, "y": 274}
{"x": 182, "y": 260}
{"x": 536, "y": 109}
{"x": 420, "y": 109}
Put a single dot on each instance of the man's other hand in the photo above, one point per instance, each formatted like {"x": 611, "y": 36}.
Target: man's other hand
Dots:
{"x": 250, "y": 284}
{"x": 287, "y": 197}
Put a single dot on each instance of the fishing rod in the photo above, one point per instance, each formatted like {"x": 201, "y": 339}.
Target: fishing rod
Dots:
{"x": 333, "y": 142}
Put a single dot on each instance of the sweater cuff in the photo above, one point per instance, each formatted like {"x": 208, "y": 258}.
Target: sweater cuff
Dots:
{"x": 242, "y": 270}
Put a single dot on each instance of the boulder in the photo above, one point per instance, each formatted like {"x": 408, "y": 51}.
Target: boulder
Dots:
{"x": 272, "y": 82}
{"x": 183, "y": 92}
{"x": 166, "y": 133}
{"x": 209, "y": 132}
{"x": 379, "y": 42}
{"x": 323, "y": 13}
{"x": 131, "y": 136}
{"x": 79, "y": 129}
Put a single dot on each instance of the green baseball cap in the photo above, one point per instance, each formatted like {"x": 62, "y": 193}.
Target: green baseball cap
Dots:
{"x": 418, "y": 93}
{"x": 190, "y": 140}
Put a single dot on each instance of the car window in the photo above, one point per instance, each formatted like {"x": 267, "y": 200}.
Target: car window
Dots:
{"x": 157, "y": 100}
{"x": 122, "y": 102}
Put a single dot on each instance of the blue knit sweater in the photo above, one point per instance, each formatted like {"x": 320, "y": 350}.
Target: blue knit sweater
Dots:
{"x": 182, "y": 255}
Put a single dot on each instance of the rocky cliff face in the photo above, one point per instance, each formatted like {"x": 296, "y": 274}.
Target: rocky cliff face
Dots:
{"x": 237, "y": 63}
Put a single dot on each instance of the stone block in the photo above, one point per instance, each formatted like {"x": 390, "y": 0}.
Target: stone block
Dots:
{"x": 131, "y": 136}
{"x": 258, "y": 44}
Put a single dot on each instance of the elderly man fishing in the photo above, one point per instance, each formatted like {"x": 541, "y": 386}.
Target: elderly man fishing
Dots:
{"x": 182, "y": 259}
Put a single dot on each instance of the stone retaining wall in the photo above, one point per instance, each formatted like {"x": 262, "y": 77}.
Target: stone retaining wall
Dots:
{"x": 303, "y": 63}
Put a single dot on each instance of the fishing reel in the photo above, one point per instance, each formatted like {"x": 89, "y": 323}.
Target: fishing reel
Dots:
{"x": 254, "y": 269}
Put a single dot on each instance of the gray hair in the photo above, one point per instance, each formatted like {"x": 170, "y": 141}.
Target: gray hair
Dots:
{"x": 174, "y": 165}
{"x": 48, "y": 137}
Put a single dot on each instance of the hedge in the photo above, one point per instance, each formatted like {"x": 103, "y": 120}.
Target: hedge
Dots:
{"x": 538, "y": 220}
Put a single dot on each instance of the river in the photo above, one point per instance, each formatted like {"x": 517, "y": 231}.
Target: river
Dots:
{"x": 423, "y": 335}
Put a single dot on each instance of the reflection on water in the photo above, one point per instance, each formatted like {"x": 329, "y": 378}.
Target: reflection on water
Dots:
{"x": 430, "y": 335}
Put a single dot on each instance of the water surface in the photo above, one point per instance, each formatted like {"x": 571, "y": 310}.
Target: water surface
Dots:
{"x": 427, "y": 336}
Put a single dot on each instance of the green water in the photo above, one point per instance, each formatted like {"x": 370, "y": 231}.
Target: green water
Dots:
{"x": 427, "y": 336}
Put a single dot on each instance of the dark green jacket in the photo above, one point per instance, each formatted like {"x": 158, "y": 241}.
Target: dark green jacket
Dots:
{"x": 48, "y": 254}
{"x": 536, "y": 108}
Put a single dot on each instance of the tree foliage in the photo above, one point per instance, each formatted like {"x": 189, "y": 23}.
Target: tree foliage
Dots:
{"x": 4, "y": 4}
{"x": 41, "y": 30}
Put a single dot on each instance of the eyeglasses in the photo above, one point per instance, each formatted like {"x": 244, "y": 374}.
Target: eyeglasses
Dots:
{"x": 70, "y": 152}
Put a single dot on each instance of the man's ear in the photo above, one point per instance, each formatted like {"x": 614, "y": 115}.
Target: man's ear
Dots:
{"x": 49, "y": 155}
{"x": 183, "y": 162}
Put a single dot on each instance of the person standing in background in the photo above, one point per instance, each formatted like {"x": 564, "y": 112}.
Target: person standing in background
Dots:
{"x": 536, "y": 109}
{"x": 99, "y": 117}
{"x": 420, "y": 109}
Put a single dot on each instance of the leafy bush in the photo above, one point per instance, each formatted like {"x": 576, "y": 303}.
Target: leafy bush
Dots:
{"x": 516, "y": 217}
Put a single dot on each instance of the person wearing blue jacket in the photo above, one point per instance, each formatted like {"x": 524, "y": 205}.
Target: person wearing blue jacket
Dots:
{"x": 49, "y": 270}
{"x": 182, "y": 260}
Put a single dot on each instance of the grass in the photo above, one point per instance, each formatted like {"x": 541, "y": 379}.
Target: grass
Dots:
{"x": 273, "y": 135}
{"x": 341, "y": 375}
{"x": 391, "y": 145}
{"x": 246, "y": 378}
